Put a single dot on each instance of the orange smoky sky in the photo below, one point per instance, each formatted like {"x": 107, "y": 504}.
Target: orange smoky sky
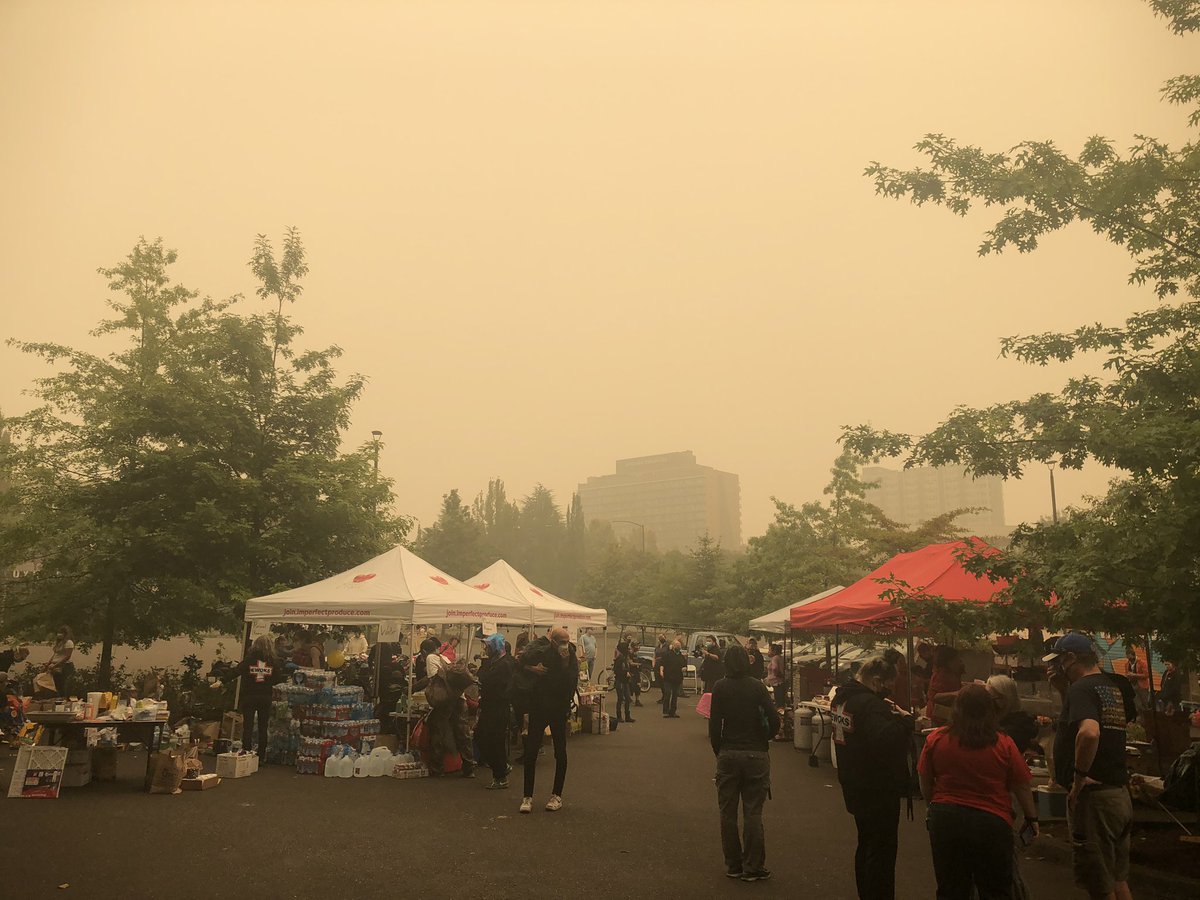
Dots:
{"x": 553, "y": 234}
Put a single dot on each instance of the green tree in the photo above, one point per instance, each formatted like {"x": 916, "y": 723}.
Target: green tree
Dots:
{"x": 501, "y": 520}
{"x": 543, "y": 533}
{"x": 157, "y": 487}
{"x": 457, "y": 542}
{"x": 1127, "y": 562}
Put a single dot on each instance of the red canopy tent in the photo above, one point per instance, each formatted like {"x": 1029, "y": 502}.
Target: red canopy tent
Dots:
{"x": 933, "y": 570}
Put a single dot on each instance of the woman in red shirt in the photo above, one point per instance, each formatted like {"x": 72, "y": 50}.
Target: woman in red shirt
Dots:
{"x": 968, "y": 770}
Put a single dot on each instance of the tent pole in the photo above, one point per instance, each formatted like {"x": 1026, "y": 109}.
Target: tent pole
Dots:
{"x": 1153, "y": 702}
{"x": 237, "y": 691}
{"x": 412, "y": 636}
{"x": 837, "y": 651}
{"x": 378, "y": 668}
{"x": 908, "y": 628}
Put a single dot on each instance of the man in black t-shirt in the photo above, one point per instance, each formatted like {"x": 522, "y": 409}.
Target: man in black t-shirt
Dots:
{"x": 1089, "y": 759}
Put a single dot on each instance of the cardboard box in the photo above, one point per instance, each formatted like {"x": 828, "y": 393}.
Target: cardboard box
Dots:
{"x": 201, "y": 783}
{"x": 78, "y": 770}
{"x": 390, "y": 741}
{"x": 236, "y": 765}
{"x": 231, "y": 726}
{"x": 104, "y": 763}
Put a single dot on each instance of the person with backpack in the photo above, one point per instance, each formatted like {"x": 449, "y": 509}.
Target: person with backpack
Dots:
{"x": 495, "y": 710}
{"x": 741, "y": 723}
{"x": 873, "y": 737}
{"x": 446, "y": 721}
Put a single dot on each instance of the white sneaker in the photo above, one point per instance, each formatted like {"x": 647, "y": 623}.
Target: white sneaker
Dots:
{"x": 526, "y": 804}
{"x": 554, "y": 804}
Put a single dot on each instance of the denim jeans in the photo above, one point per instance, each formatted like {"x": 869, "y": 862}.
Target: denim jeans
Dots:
{"x": 971, "y": 849}
{"x": 745, "y": 776}
{"x": 252, "y": 708}
{"x": 624, "y": 699}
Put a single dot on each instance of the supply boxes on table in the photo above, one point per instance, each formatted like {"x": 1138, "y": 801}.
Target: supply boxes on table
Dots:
{"x": 78, "y": 770}
{"x": 237, "y": 765}
{"x": 201, "y": 782}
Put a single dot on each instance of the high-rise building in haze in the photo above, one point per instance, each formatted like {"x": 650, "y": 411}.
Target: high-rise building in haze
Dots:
{"x": 673, "y": 497}
{"x": 910, "y": 496}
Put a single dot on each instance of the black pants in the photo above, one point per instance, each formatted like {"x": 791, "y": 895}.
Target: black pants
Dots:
{"x": 539, "y": 719}
{"x": 491, "y": 733}
{"x": 743, "y": 775}
{"x": 624, "y": 699}
{"x": 878, "y": 822}
{"x": 670, "y": 697}
{"x": 252, "y": 707}
{"x": 971, "y": 849}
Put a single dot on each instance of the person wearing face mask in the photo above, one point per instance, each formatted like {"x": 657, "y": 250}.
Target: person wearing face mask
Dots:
{"x": 712, "y": 666}
{"x": 1089, "y": 759}
{"x": 872, "y": 736}
{"x": 553, "y": 662}
{"x": 491, "y": 733}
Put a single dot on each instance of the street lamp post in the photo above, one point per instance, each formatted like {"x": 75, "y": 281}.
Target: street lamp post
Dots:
{"x": 375, "y": 436}
{"x": 636, "y": 524}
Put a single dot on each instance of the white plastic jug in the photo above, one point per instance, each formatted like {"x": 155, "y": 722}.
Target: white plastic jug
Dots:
{"x": 347, "y": 767}
{"x": 331, "y": 764}
{"x": 362, "y": 767}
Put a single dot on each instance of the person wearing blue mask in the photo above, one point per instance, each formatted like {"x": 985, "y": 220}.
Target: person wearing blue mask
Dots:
{"x": 495, "y": 711}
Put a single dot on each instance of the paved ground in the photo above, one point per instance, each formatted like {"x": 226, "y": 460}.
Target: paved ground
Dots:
{"x": 640, "y": 820}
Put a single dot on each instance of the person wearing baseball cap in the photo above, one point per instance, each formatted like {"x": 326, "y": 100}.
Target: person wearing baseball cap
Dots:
{"x": 1089, "y": 759}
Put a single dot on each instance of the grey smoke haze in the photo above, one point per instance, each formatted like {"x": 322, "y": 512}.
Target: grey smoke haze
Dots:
{"x": 555, "y": 234}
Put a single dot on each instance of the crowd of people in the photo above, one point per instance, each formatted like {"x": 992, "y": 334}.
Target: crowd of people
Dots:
{"x": 971, "y": 765}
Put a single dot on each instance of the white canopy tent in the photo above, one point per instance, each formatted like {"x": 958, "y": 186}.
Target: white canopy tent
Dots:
{"x": 397, "y": 586}
{"x": 777, "y": 622}
{"x": 542, "y": 608}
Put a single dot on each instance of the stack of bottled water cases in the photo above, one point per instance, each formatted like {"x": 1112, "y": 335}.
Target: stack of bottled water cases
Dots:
{"x": 288, "y": 703}
{"x": 333, "y": 715}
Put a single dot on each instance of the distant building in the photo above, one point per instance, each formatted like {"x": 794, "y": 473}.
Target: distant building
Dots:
{"x": 910, "y": 496}
{"x": 673, "y": 497}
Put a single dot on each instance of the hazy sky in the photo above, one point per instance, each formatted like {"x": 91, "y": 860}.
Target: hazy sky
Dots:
{"x": 558, "y": 233}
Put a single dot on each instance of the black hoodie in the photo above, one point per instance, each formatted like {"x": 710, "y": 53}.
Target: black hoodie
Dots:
{"x": 258, "y": 676}
{"x": 555, "y": 689}
{"x": 872, "y": 747}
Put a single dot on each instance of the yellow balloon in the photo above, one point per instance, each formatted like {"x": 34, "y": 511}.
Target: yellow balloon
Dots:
{"x": 336, "y": 659}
